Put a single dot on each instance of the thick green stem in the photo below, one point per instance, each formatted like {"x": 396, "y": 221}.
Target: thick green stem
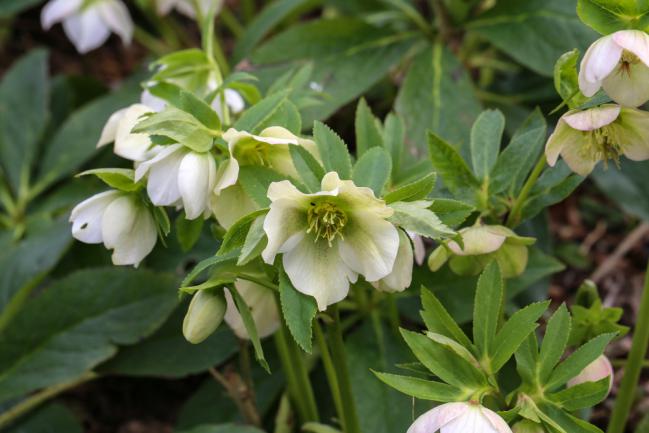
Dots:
{"x": 633, "y": 367}
{"x": 514, "y": 215}
{"x": 340, "y": 363}
{"x": 289, "y": 372}
{"x": 302, "y": 375}
{"x": 330, "y": 371}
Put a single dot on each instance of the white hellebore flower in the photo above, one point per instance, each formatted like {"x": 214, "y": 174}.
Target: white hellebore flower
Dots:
{"x": 594, "y": 372}
{"x": 328, "y": 238}
{"x": 186, "y": 7}
{"x": 262, "y": 305}
{"x": 620, "y": 64}
{"x": 460, "y": 418}
{"x": 88, "y": 23}
{"x": 583, "y": 138}
{"x": 401, "y": 276}
{"x": 119, "y": 220}
{"x": 133, "y": 146}
{"x": 177, "y": 176}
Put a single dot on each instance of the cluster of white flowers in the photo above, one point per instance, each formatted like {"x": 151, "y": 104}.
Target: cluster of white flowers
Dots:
{"x": 89, "y": 23}
{"x": 619, "y": 64}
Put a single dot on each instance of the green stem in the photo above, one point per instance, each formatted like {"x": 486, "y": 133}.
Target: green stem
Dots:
{"x": 626, "y": 393}
{"x": 302, "y": 376}
{"x": 514, "y": 215}
{"x": 340, "y": 363}
{"x": 149, "y": 41}
{"x": 35, "y": 400}
{"x": 289, "y": 372}
{"x": 231, "y": 22}
{"x": 330, "y": 371}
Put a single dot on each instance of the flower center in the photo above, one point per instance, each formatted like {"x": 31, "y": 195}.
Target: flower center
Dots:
{"x": 253, "y": 153}
{"x": 326, "y": 221}
{"x": 627, "y": 60}
{"x": 602, "y": 145}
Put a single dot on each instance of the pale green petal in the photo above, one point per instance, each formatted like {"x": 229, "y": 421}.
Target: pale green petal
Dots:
{"x": 262, "y": 305}
{"x": 232, "y": 204}
{"x": 400, "y": 277}
{"x": 562, "y": 135}
{"x": 632, "y": 133}
{"x": 477, "y": 240}
{"x": 628, "y": 86}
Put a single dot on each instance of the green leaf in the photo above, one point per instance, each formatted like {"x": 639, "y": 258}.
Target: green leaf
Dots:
{"x": 423, "y": 389}
{"x": 416, "y": 190}
{"x": 523, "y": 29}
{"x": 486, "y": 312}
{"x": 393, "y": 141}
{"x": 373, "y": 170}
{"x": 333, "y": 150}
{"x": 514, "y": 332}
{"x": 486, "y": 134}
{"x": 437, "y": 95}
{"x": 187, "y": 102}
{"x": 443, "y": 362}
{"x": 14, "y": 7}
{"x": 220, "y": 259}
{"x": 527, "y": 357}
{"x": 310, "y": 170}
{"x": 554, "y": 185}
{"x": 118, "y": 178}
{"x": 451, "y": 212}
{"x": 188, "y": 231}
{"x": 255, "y": 181}
{"x": 566, "y": 421}
{"x": 24, "y": 102}
{"x": 251, "y": 328}
{"x": 236, "y": 235}
{"x": 258, "y": 114}
{"x": 368, "y": 129}
{"x": 575, "y": 363}
{"x": 437, "y": 319}
{"x": 415, "y": 217}
{"x": 54, "y": 417}
{"x": 566, "y": 81}
{"x": 179, "y": 126}
{"x": 222, "y": 428}
{"x": 298, "y": 310}
{"x": 554, "y": 343}
{"x": 582, "y": 396}
{"x": 286, "y": 115}
{"x": 254, "y": 243}
{"x": 627, "y": 187}
{"x": 609, "y": 16}
{"x": 454, "y": 171}
{"x": 76, "y": 324}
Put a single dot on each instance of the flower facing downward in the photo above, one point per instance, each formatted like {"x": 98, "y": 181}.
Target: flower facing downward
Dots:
{"x": 88, "y": 24}
{"x": 328, "y": 238}
{"x": 460, "y": 418}
{"x": 129, "y": 145}
{"x": 262, "y": 305}
{"x": 177, "y": 176}
{"x": 583, "y": 138}
{"x": 401, "y": 276}
{"x": 119, "y": 220}
{"x": 595, "y": 371}
{"x": 186, "y": 7}
{"x": 620, "y": 64}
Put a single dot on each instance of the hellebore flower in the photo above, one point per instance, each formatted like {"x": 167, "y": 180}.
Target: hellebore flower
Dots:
{"x": 262, "y": 305}
{"x": 178, "y": 175}
{"x": 328, "y": 238}
{"x": 186, "y": 7}
{"x": 583, "y": 138}
{"x": 119, "y": 220}
{"x": 401, "y": 276}
{"x": 269, "y": 148}
{"x": 481, "y": 245}
{"x": 595, "y": 371}
{"x": 88, "y": 24}
{"x": 129, "y": 145}
{"x": 460, "y": 418}
{"x": 233, "y": 99}
{"x": 204, "y": 315}
{"x": 620, "y": 64}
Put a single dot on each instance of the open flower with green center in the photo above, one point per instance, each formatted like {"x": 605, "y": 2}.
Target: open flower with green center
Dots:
{"x": 583, "y": 138}
{"x": 269, "y": 149}
{"x": 330, "y": 237}
{"x": 620, "y": 64}
{"x": 481, "y": 245}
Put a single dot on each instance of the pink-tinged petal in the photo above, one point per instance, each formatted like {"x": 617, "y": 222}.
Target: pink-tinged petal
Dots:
{"x": 593, "y": 118}
{"x": 635, "y": 41}
{"x": 595, "y": 371}
{"x": 495, "y": 420}
{"x": 115, "y": 15}
{"x": 436, "y": 418}
{"x": 58, "y": 10}
{"x": 86, "y": 30}
{"x": 598, "y": 62}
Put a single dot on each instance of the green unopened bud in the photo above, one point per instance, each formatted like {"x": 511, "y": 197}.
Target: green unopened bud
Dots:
{"x": 204, "y": 315}
{"x": 437, "y": 258}
{"x": 527, "y": 426}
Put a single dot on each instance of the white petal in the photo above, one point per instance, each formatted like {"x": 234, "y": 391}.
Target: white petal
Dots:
{"x": 115, "y": 15}
{"x": 230, "y": 205}
{"x": 370, "y": 245}
{"x": 86, "y": 30}
{"x": 227, "y": 175}
{"x": 234, "y": 100}
{"x": 57, "y": 10}
{"x": 162, "y": 185}
{"x": 635, "y": 41}
{"x": 356, "y": 197}
{"x": 593, "y": 118}
{"x": 628, "y": 86}
{"x": 472, "y": 421}
{"x": 196, "y": 178}
{"x": 109, "y": 132}
{"x": 317, "y": 270}
{"x": 263, "y": 308}
{"x": 287, "y": 217}
{"x": 86, "y": 217}
{"x": 400, "y": 277}
{"x": 133, "y": 146}
{"x": 598, "y": 62}
{"x": 419, "y": 247}
{"x": 496, "y": 421}
{"x": 436, "y": 418}
{"x": 129, "y": 230}
{"x": 153, "y": 102}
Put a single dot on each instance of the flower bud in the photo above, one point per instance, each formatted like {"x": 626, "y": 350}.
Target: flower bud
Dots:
{"x": 595, "y": 371}
{"x": 204, "y": 315}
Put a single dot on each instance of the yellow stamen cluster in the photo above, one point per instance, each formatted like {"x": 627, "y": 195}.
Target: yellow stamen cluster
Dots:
{"x": 602, "y": 145}
{"x": 326, "y": 221}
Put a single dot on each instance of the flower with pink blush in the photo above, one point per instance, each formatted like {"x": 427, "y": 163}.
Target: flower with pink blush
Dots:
{"x": 465, "y": 417}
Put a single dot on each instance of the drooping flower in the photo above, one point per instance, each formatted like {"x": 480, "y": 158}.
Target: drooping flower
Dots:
{"x": 263, "y": 308}
{"x": 186, "y": 7}
{"x": 583, "y": 138}
{"x": 329, "y": 238}
{"x": 177, "y": 175}
{"x": 400, "y": 277}
{"x": 481, "y": 245}
{"x": 233, "y": 99}
{"x": 121, "y": 221}
{"x": 204, "y": 315}
{"x": 620, "y": 64}
{"x": 595, "y": 371}
{"x": 461, "y": 417}
{"x": 129, "y": 145}
{"x": 88, "y": 24}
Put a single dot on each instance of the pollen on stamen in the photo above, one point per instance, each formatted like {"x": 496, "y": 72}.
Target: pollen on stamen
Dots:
{"x": 326, "y": 221}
